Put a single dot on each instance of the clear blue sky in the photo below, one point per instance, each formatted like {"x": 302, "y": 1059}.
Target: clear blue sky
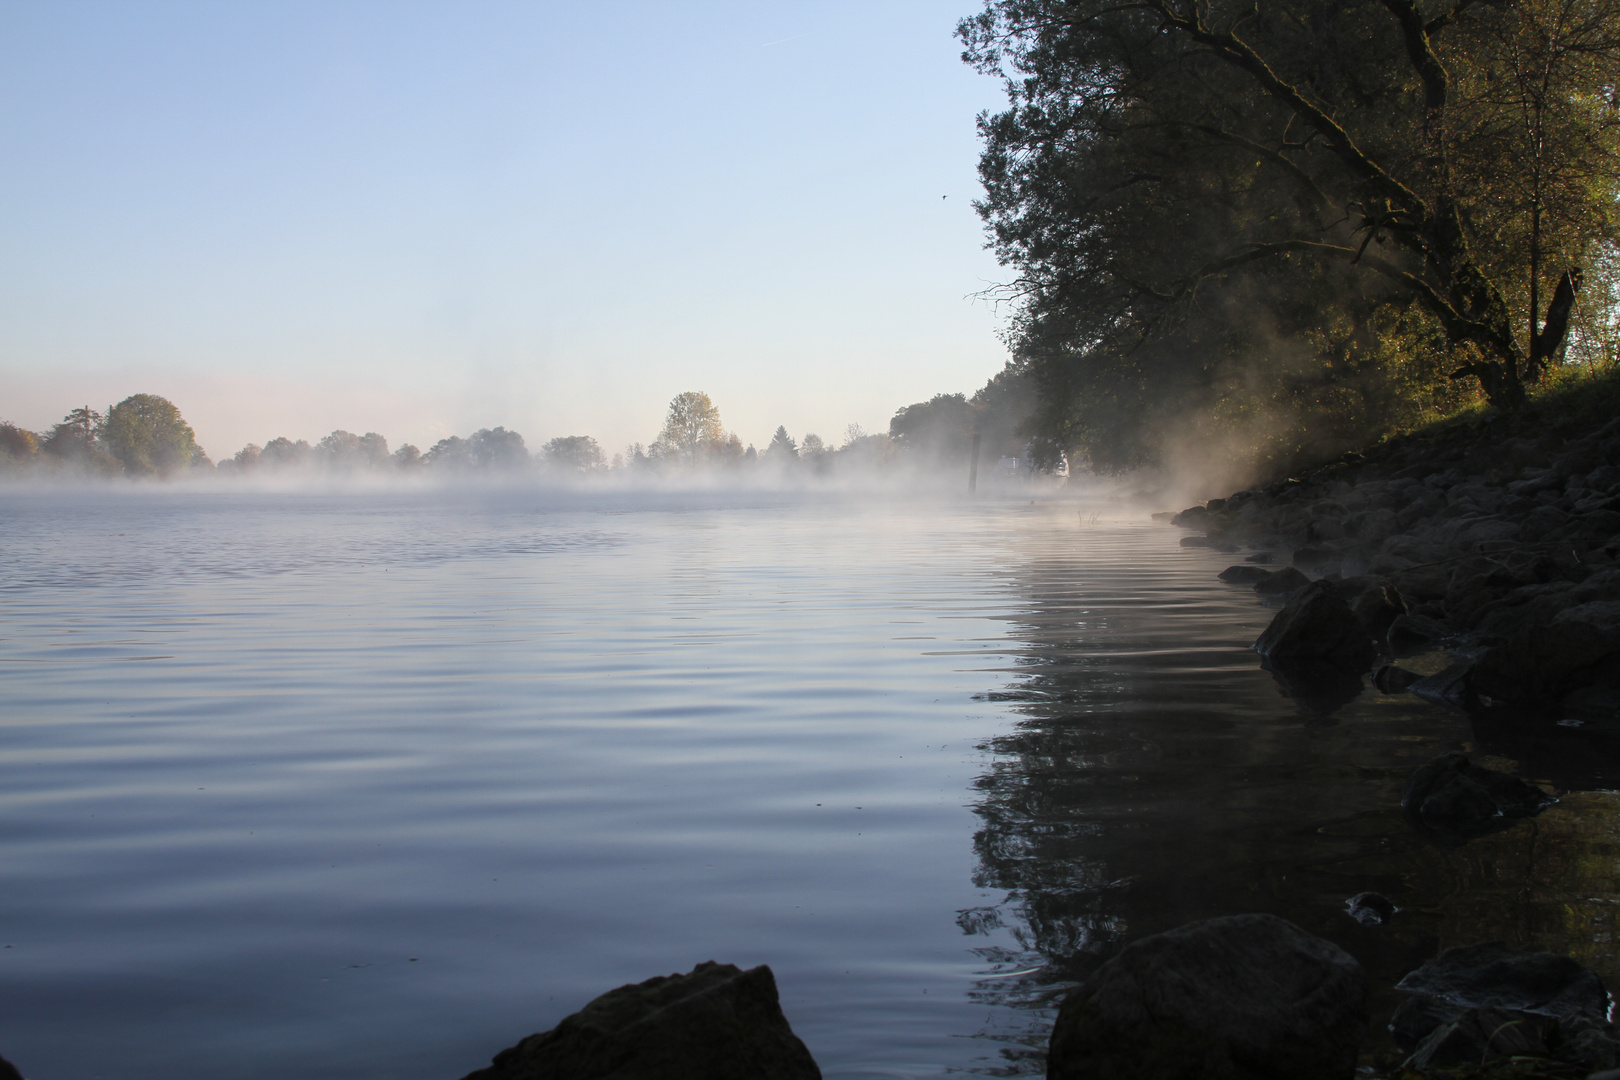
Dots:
{"x": 426, "y": 218}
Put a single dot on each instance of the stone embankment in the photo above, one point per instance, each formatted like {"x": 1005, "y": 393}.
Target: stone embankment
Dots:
{"x": 1499, "y": 541}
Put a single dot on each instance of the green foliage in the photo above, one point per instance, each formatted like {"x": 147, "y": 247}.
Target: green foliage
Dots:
{"x": 1289, "y": 224}
{"x": 17, "y": 445}
{"x": 148, "y": 436}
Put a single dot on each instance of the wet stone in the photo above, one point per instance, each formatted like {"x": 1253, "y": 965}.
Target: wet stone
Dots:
{"x": 1370, "y": 908}
{"x": 716, "y": 1022}
{"x": 1458, "y": 800}
{"x": 1317, "y": 627}
{"x": 1284, "y": 582}
{"x": 1245, "y": 997}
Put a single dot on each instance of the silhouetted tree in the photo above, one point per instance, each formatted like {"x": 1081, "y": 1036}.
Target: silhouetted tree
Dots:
{"x": 782, "y": 447}
{"x": 282, "y": 452}
{"x": 497, "y": 448}
{"x": 451, "y": 453}
{"x": 76, "y": 442}
{"x": 939, "y": 429}
{"x": 574, "y": 453}
{"x": 1212, "y": 205}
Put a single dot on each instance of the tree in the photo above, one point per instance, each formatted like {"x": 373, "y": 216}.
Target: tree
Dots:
{"x": 940, "y": 428}
{"x": 450, "y": 453}
{"x": 16, "y": 444}
{"x": 497, "y": 448}
{"x": 575, "y": 453}
{"x": 282, "y": 452}
{"x": 693, "y": 425}
{"x": 1215, "y": 205}
{"x": 147, "y": 434}
{"x": 77, "y": 441}
{"x": 782, "y": 446}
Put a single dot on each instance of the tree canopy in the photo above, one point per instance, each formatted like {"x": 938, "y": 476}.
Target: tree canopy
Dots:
{"x": 1302, "y": 212}
{"x": 692, "y": 427}
{"x": 147, "y": 434}
{"x": 575, "y": 453}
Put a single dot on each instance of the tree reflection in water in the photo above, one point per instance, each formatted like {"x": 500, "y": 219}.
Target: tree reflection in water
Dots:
{"x": 1153, "y": 774}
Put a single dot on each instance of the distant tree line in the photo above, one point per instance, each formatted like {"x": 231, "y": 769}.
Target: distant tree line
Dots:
{"x": 145, "y": 436}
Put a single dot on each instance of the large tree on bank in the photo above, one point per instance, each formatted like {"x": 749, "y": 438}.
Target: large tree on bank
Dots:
{"x": 147, "y": 434}
{"x": 1395, "y": 190}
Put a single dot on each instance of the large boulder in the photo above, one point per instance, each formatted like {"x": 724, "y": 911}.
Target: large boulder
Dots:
{"x": 1545, "y": 662}
{"x": 1317, "y": 627}
{"x": 716, "y": 1022}
{"x": 1244, "y": 997}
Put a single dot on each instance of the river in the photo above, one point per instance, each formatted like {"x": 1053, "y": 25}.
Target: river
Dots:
{"x": 366, "y": 785}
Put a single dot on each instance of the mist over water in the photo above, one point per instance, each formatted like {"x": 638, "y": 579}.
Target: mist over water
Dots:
{"x": 378, "y": 783}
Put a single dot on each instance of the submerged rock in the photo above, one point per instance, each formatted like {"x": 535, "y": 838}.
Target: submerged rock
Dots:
{"x": 1245, "y": 997}
{"x": 1243, "y": 575}
{"x": 716, "y": 1022}
{"x": 1370, "y": 908}
{"x": 1460, "y": 800}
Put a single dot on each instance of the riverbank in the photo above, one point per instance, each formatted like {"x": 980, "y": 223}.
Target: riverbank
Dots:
{"x": 1499, "y": 535}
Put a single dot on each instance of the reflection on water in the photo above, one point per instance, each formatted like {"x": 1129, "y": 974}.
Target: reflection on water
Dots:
{"x": 1155, "y": 775}
{"x": 338, "y": 788}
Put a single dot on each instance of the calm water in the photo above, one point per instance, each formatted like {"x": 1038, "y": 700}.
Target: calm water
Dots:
{"x": 374, "y": 786}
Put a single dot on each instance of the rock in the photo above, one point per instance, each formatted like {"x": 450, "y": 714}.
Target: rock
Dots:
{"x": 1390, "y": 679}
{"x": 1411, "y": 631}
{"x": 1481, "y": 1001}
{"x": 1243, "y": 575}
{"x": 1194, "y": 517}
{"x": 1375, "y": 603}
{"x": 1317, "y": 627}
{"x": 1245, "y": 997}
{"x": 1370, "y": 908}
{"x": 1478, "y": 1036}
{"x": 1207, "y": 542}
{"x": 714, "y": 1023}
{"x": 1542, "y": 663}
{"x": 1284, "y": 582}
{"x": 1459, "y": 800}
{"x": 1316, "y": 558}
{"x": 1452, "y": 686}
{"x": 8, "y": 1071}
{"x": 1417, "y": 1016}
{"x": 1496, "y": 976}
{"x": 1264, "y": 557}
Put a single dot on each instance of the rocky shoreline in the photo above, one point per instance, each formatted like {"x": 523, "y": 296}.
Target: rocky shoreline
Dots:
{"x": 1499, "y": 541}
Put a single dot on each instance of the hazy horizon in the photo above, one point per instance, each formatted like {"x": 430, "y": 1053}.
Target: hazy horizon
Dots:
{"x": 424, "y": 220}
